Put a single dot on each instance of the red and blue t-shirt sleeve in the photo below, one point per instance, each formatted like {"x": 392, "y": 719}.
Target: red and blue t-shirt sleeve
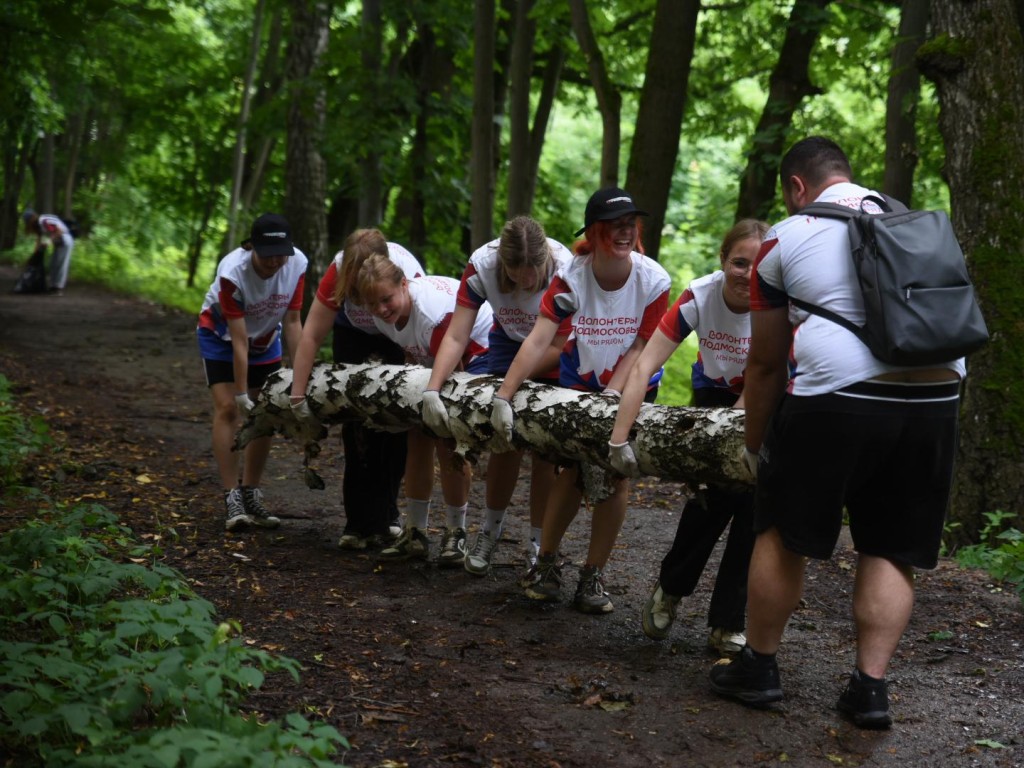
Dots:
{"x": 652, "y": 315}
{"x": 672, "y": 324}
{"x": 295, "y": 305}
{"x": 328, "y": 284}
{"x": 228, "y": 296}
{"x": 467, "y": 296}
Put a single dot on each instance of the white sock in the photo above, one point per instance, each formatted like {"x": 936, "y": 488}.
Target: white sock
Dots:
{"x": 492, "y": 522}
{"x": 535, "y": 539}
{"x": 456, "y": 516}
{"x": 417, "y": 512}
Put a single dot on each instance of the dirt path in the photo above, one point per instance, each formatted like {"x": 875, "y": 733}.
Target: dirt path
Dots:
{"x": 425, "y": 667}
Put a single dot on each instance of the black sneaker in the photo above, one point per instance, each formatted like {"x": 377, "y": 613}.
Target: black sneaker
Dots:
{"x": 865, "y": 702}
{"x": 748, "y": 679}
{"x": 252, "y": 497}
{"x": 236, "y": 517}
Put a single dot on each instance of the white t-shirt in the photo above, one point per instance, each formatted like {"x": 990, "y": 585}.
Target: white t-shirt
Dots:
{"x": 723, "y": 335}
{"x": 809, "y": 257}
{"x": 433, "y": 303}
{"x": 604, "y": 323}
{"x": 352, "y": 315}
{"x": 237, "y": 291}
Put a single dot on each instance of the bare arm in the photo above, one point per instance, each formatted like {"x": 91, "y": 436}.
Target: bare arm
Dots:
{"x": 318, "y": 324}
{"x": 291, "y": 329}
{"x": 453, "y": 346}
{"x": 239, "y": 353}
{"x": 654, "y": 355}
{"x": 767, "y": 370}
{"x": 622, "y": 369}
{"x": 530, "y": 354}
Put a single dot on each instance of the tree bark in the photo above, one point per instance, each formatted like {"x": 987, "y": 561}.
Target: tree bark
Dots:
{"x": 609, "y": 100}
{"x": 305, "y": 171}
{"x": 519, "y": 183}
{"x": 371, "y": 196}
{"x": 482, "y": 139}
{"x": 693, "y": 445}
{"x": 901, "y": 105}
{"x": 789, "y": 84}
{"x": 652, "y": 157}
{"x": 238, "y": 160}
{"x": 976, "y": 59}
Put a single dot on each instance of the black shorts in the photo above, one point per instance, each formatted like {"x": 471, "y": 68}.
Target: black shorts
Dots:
{"x": 221, "y": 371}
{"x": 888, "y": 462}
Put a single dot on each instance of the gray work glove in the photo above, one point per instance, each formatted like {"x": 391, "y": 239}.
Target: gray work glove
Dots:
{"x": 750, "y": 461}
{"x": 434, "y": 414}
{"x": 244, "y": 404}
{"x": 501, "y": 419}
{"x": 621, "y": 456}
{"x": 301, "y": 412}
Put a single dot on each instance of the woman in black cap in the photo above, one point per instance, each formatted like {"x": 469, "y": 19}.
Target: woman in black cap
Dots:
{"x": 601, "y": 308}
{"x": 255, "y": 297}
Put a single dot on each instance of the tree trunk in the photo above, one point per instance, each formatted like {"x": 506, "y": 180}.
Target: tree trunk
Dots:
{"x": 609, "y": 100}
{"x": 305, "y": 173}
{"x": 692, "y": 445}
{"x": 789, "y": 84}
{"x": 901, "y": 106}
{"x": 652, "y": 157}
{"x": 976, "y": 59}
{"x": 371, "y": 197}
{"x": 548, "y": 90}
{"x": 482, "y": 146}
{"x": 519, "y": 186}
{"x": 243, "y": 121}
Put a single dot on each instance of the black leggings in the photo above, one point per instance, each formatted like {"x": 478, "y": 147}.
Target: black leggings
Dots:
{"x": 702, "y": 522}
{"x": 374, "y": 461}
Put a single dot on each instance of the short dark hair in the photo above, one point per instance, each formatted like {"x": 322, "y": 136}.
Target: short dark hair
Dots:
{"x": 814, "y": 159}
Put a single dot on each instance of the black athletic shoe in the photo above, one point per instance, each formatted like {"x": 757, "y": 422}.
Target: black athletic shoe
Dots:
{"x": 865, "y": 702}
{"x": 748, "y": 679}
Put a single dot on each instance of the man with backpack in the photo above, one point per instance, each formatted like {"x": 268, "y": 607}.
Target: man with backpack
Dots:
{"x": 47, "y": 226}
{"x": 846, "y": 431}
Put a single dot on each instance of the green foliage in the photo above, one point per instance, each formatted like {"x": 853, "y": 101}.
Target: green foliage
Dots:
{"x": 108, "y": 657}
{"x": 20, "y": 437}
{"x": 1000, "y": 552}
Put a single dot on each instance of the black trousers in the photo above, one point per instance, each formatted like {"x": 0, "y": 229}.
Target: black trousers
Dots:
{"x": 702, "y": 522}
{"x": 374, "y": 461}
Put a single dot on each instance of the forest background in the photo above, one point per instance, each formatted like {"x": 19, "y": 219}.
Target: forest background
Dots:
{"x": 163, "y": 128}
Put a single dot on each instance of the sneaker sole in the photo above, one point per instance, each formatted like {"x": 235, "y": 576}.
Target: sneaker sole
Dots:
{"x": 262, "y": 523}
{"x": 399, "y": 556}
{"x": 871, "y": 720}
{"x": 759, "y": 699}
{"x": 649, "y": 627}
{"x": 594, "y": 610}
{"x": 477, "y": 569}
{"x": 542, "y": 596}
{"x": 239, "y": 523}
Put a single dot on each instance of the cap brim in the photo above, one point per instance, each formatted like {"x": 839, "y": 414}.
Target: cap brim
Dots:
{"x": 275, "y": 249}
{"x": 613, "y": 216}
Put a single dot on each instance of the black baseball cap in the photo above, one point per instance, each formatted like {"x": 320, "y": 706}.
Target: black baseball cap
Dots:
{"x": 271, "y": 236}
{"x": 607, "y": 204}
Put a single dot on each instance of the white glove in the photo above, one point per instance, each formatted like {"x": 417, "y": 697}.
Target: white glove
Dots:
{"x": 434, "y": 414}
{"x": 501, "y": 419}
{"x": 244, "y": 404}
{"x": 750, "y": 460}
{"x": 301, "y": 412}
{"x": 622, "y": 458}
{"x": 612, "y": 393}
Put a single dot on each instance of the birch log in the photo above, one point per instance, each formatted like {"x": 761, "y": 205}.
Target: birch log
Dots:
{"x": 692, "y": 445}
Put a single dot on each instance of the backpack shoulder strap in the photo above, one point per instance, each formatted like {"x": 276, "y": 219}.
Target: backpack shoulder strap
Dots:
{"x": 828, "y": 210}
{"x": 828, "y": 314}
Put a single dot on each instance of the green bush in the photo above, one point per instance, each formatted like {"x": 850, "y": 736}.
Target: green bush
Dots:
{"x": 20, "y": 438}
{"x": 108, "y": 658}
{"x": 1000, "y": 552}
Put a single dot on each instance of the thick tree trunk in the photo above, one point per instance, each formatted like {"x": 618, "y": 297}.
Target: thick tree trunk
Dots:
{"x": 520, "y": 185}
{"x": 789, "y": 84}
{"x": 609, "y": 100}
{"x": 652, "y": 158}
{"x": 976, "y": 58}
{"x": 305, "y": 171}
{"x": 901, "y": 105}
{"x": 693, "y": 445}
{"x": 482, "y": 139}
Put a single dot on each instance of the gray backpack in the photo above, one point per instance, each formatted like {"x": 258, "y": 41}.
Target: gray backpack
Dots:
{"x": 919, "y": 303}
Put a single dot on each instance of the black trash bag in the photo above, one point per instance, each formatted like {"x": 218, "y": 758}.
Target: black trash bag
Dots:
{"x": 33, "y": 279}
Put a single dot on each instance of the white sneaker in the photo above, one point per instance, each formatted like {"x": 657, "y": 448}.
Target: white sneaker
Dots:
{"x": 453, "y": 548}
{"x": 352, "y": 541}
{"x": 726, "y": 642}
{"x": 478, "y": 559}
{"x": 658, "y": 613}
